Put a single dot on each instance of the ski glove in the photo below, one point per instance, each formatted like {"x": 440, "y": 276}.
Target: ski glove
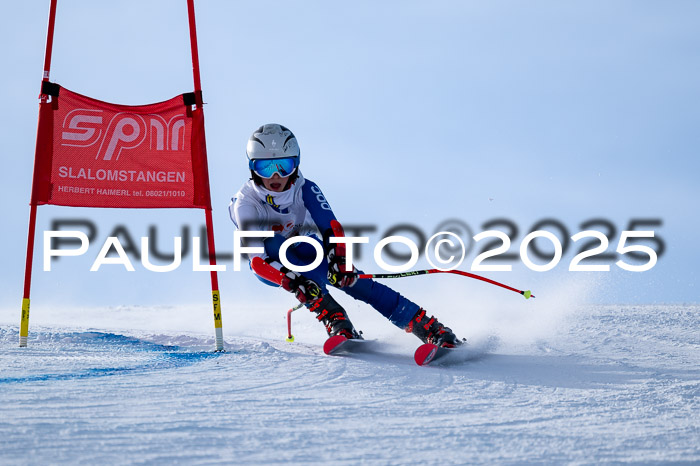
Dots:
{"x": 304, "y": 289}
{"x": 337, "y": 276}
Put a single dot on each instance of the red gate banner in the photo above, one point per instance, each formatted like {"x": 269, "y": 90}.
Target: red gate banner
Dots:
{"x": 97, "y": 154}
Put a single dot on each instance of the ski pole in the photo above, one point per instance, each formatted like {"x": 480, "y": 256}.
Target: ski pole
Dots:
{"x": 338, "y": 231}
{"x": 525, "y": 293}
{"x": 290, "y": 337}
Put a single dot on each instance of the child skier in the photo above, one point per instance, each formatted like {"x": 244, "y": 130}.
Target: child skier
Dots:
{"x": 278, "y": 198}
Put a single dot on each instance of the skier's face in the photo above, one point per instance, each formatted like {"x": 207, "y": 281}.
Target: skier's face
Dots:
{"x": 276, "y": 183}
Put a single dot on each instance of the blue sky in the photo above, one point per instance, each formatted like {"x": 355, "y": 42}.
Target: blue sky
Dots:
{"x": 405, "y": 112}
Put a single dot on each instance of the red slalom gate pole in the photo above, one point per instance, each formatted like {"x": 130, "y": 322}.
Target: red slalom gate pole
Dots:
{"x": 31, "y": 231}
{"x": 195, "y": 52}
{"x": 216, "y": 302}
{"x": 49, "y": 40}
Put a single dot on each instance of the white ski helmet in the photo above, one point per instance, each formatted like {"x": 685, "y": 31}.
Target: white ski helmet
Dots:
{"x": 272, "y": 141}
{"x": 273, "y": 149}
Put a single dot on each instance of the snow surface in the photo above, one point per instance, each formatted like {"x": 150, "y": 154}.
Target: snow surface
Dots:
{"x": 592, "y": 385}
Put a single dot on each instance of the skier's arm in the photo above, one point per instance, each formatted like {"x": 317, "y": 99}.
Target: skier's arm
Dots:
{"x": 317, "y": 205}
{"x": 304, "y": 289}
{"x": 338, "y": 273}
{"x": 246, "y": 218}
{"x": 325, "y": 220}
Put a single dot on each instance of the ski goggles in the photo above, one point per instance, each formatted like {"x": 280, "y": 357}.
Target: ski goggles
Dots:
{"x": 265, "y": 168}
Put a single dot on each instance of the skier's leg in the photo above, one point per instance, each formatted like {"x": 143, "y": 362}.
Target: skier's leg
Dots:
{"x": 327, "y": 309}
{"x": 299, "y": 254}
{"x": 392, "y": 305}
{"x": 402, "y": 312}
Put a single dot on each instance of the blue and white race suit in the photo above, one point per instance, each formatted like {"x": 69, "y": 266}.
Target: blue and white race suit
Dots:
{"x": 303, "y": 210}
